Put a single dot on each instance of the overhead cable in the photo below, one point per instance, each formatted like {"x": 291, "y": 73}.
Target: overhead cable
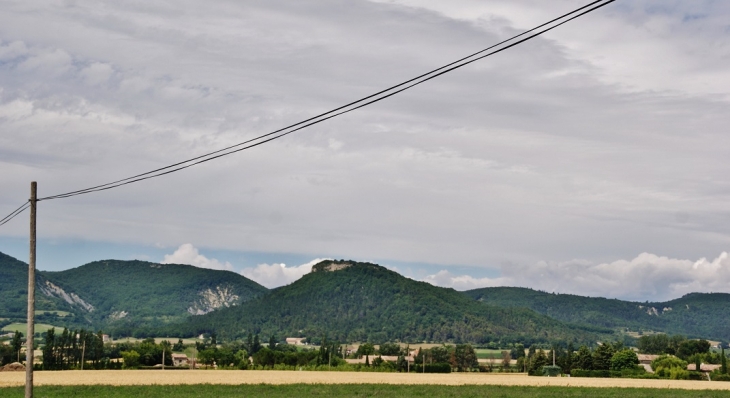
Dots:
{"x": 354, "y": 105}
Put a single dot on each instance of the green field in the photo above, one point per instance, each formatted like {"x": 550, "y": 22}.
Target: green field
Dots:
{"x": 485, "y": 353}
{"x": 22, "y": 327}
{"x": 352, "y": 390}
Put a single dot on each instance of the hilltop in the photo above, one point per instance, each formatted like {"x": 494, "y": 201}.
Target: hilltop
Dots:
{"x": 347, "y": 300}
{"x": 124, "y": 296}
{"x": 354, "y": 301}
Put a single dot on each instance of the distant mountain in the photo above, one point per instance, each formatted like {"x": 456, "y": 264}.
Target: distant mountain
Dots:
{"x": 126, "y": 296}
{"x": 346, "y": 300}
{"x": 694, "y": 315}
{"x": 352, "y": 301}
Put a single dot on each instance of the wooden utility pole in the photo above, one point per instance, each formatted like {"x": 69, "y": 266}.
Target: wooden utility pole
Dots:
{"x": 83, "y": 353}
{"x": 31, "y": 295}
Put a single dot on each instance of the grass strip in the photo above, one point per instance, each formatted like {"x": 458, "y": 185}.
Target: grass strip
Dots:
{"x": 350, "y": 390}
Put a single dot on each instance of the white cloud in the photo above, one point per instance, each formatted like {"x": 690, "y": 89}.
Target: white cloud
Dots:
{"x": 646, "y": 277}
{"x": 274, "y": 275}
{"x": 188, "y": 254}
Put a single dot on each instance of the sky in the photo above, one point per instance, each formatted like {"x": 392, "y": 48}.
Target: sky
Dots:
{"x": 591, "y": 161}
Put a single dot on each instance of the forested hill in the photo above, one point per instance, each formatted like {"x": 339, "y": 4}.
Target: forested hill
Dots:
{"x": 133, "y": 292}
{"x": 121, "y": 296}
{"x": 14, "y": 291}
{"x": 694, "y": 315}
{"x": 351, "y": 301}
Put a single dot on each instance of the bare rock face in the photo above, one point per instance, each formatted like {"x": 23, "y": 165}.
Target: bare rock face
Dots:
{"x": 51, "y": 290}
{"x": 13, "y": 367}
{"x": 330, "y": 266}
{"x": 212, "y": 299}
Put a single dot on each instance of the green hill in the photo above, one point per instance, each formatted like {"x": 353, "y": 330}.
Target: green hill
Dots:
{"x": 14, "y": 291}
{"x": 694, "y": 315}
{"x": 352, "y": 301}
{"x": 142, "y": 294}
{"x": 122, "y": 296}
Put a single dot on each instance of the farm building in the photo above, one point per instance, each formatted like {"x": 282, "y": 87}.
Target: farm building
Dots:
{"x": 295, "y": 340}
{"x": 180, "y": 360}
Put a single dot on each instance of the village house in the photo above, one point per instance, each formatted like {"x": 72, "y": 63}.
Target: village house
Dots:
{"x": 645, "y": 361}
{"x": 296, "y": 340}
{"x": 180, "y": 360}
{"x": 704, "y": 367}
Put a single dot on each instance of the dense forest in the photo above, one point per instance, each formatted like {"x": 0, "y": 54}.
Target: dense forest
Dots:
{"x": 119, "y": 295}
{"x": 351, "y": 301}
{"x": 139, "y": 293}
{"x": 14, "y": 292}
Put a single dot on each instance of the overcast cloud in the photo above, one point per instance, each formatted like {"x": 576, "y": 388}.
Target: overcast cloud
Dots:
{"x": 602, "y": 140}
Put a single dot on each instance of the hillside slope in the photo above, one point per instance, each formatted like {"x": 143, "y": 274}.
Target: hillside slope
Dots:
{"x": 141, "y": 294}
{"x": 125, "y": 296}
{"x": 352, "y": 301}
{"x": 14, "y": 291}
{"x": 694, "y": 315}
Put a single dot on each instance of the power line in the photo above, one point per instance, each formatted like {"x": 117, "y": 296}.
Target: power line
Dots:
{"x": 15, "y": 212}
{"x": 360, "y": 103}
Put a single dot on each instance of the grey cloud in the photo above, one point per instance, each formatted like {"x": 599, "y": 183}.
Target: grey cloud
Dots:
{"x": 584, "y": 143}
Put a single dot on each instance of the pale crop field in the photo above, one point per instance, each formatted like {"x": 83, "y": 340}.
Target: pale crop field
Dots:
{"x": 23, "y": 327}
{"x": 235, "y": 377}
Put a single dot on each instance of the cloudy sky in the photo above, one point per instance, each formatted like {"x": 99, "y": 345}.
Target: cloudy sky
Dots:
{"x": 592, "y": 160}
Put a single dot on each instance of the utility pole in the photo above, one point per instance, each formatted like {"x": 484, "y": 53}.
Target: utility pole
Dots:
{"x": 83, "y": 354}
{"x": 31, "y": 294}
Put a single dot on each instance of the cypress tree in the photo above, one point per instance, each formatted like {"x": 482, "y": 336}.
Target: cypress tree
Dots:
{"x": 723, "y": 362}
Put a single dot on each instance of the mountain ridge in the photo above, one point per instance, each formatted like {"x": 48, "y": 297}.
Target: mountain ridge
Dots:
{"x": 356, "y": 301}
{"x": 128, "y": 295}
{"x": 699, "y": 315}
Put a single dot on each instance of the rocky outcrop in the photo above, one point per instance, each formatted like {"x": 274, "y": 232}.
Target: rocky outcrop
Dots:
{"x": 51, "y": 290}
{"x": 211, "y": 299}
{"x": 330, "y": 267}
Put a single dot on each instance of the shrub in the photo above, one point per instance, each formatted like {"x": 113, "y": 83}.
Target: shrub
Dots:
{"x": 668, "y": 361}
{"x": 720, "y": 377}
{"x": 678, "y": 373}
{"x": 551, "y": 371}
{"x": 131, "y": 359}
{"x": 624, "y": 359}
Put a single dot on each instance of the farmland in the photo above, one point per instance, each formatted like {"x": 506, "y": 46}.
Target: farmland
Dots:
{"x": 253, "y": 377}
{"x": 485, "y": 353}
{"x": 22, "y": 327}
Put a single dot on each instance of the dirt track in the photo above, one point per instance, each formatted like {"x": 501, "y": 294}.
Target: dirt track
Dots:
{"x": 135, "y": 377}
